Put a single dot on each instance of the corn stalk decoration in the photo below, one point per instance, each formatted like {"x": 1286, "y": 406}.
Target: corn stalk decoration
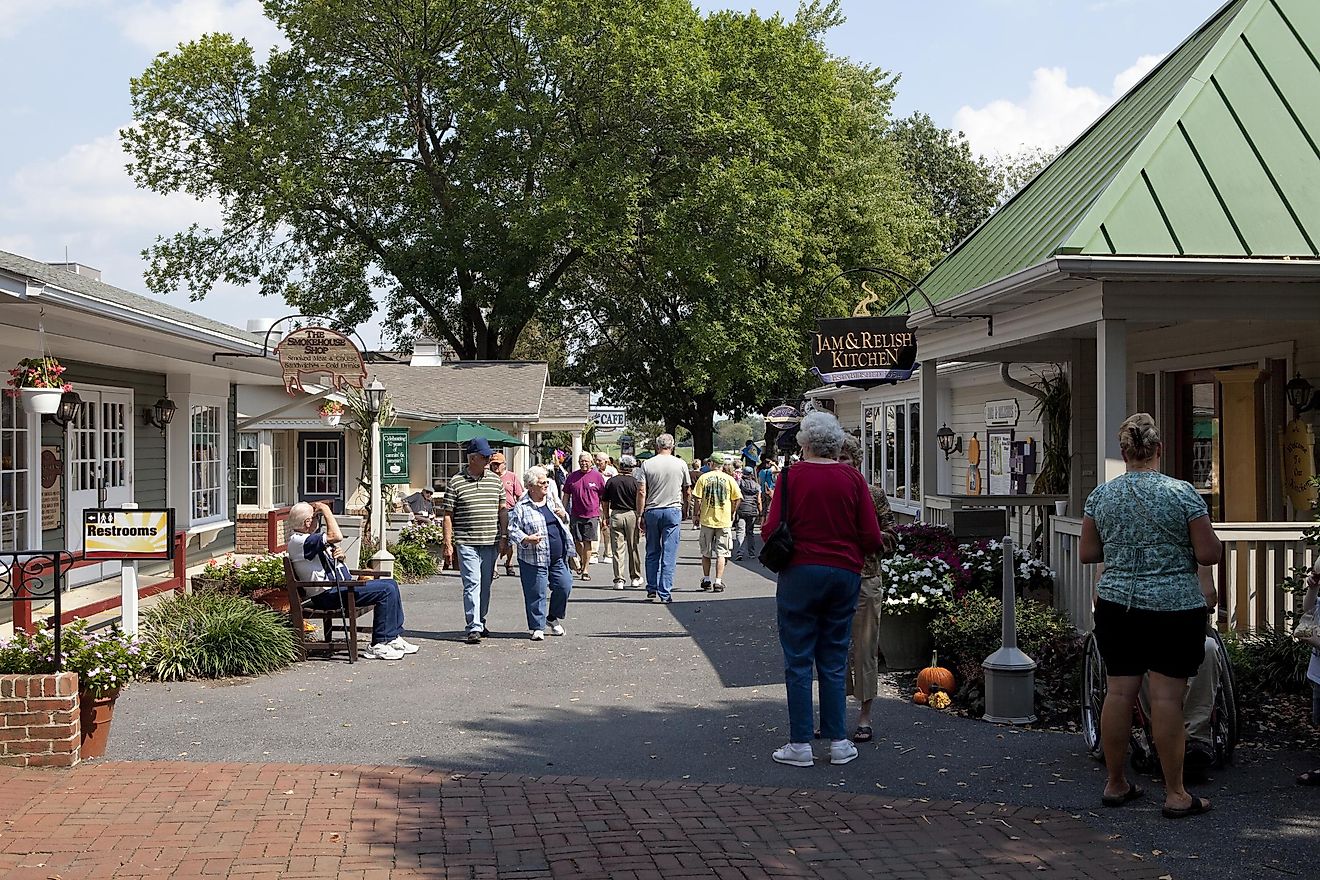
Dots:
{"x": 359, "y": 419}
{"x": 1054, "y": 404}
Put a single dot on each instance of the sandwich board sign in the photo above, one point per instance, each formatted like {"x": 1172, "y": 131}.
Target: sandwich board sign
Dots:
{"x": 116, "y": 533}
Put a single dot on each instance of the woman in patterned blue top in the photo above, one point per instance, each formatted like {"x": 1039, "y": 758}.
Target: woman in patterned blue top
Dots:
{"x": 1150, "y": 531}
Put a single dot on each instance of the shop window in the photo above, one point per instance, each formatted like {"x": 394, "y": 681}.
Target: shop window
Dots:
{"x": 14, "y": 475}
{"x": 279, "y": 473}
{"x": 447, "y": 459}
{"x": 892, "y": 439}
{"x": 249, "y": 452}
{"x": 206, "y": 473}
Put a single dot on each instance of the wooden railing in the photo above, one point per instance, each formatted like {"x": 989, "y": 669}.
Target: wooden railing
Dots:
{"x": 176, "y": 582}
{"x": 277, "y": 536}
{"x": 1026, "y": 513}
{"x": 1257, "y": 558}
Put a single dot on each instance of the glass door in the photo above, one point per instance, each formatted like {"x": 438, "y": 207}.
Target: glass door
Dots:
{"x": 99, "y": 456}
{"x": 1194, "y": 448}
{"x": 321, "y": 469}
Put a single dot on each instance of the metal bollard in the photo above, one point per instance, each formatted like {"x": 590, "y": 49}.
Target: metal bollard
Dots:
{"x": 1010, "y": 675}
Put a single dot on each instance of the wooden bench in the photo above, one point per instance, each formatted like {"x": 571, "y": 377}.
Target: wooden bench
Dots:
{"x": 342, "y": 619}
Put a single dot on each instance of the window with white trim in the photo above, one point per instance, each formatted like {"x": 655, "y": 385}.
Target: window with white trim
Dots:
{"x": 892, "y": 438}
{"x": 279, "y": 464}
{"x": 15, "y": 473}
{"x": 247, "y": 467}
{"x": 206, "y": 489}
{"x": 447, "y": 459}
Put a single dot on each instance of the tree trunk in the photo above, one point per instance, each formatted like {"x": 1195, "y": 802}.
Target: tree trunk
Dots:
{"x": 703, "y": 427}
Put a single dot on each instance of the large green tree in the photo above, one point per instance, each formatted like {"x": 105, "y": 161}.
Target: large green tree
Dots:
{"x": 456, "y": 158}
{"x": 774, "y": 174}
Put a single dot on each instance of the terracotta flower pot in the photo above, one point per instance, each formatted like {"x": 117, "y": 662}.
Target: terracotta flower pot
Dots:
{"x": 96, "y": 714}
{"x": 276, "y": 598}
{"x": 43, "y": 401}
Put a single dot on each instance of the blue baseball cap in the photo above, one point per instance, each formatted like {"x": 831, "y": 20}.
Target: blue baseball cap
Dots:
{"x": 478, "y": 446}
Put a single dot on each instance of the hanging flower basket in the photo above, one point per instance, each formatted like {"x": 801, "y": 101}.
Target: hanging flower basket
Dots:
{"x": 331, "y": 412}
{"x": 39, "y": 382}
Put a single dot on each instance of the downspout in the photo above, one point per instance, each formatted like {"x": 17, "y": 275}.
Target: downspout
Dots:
{"x": 1020, "y": 386}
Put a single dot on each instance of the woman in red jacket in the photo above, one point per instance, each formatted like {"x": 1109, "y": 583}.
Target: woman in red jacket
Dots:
{"x": 834, "y": 527}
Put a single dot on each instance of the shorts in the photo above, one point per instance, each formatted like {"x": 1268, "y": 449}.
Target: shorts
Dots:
{"x": 1134, "y": 641}
{"x": 715, "y": 543}
{"x": 584, "y": 528}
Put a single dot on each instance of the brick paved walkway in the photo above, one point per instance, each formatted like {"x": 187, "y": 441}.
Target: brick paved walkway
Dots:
{"x": 257, "y": 821}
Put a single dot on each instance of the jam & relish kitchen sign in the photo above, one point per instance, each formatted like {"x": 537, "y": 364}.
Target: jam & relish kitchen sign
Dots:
{"x": 863, "y": 351}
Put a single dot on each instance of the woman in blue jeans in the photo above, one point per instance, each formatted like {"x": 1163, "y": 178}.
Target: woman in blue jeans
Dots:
{"x": 834, "y": 527}
{"x": 536, "y": 528}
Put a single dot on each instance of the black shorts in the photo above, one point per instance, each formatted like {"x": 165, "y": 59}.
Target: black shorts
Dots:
{"x": 1133, "y": 641}
{"x": 584, "y": 529}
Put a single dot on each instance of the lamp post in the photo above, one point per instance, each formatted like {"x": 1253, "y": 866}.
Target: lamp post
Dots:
{"x": 383, "y": 561}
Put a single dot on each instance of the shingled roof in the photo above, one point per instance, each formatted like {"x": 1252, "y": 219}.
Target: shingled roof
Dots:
{"x": 470, "y": 389}
{"x": 1213, "y": 154}
{"x": 566, "y": 402}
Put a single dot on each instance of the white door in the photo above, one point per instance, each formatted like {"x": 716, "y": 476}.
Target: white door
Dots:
{"x": 100, "y": 473}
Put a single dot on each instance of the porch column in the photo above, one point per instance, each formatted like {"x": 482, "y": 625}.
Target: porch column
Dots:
{"x": 1111, "y": 395}
{"x": 577, "y": 449}
{"x": 524, "y": 453}
{"x": 930, "y": 423}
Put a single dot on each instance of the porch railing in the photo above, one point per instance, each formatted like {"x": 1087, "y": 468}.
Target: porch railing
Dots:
{"x": 1257, "y": 558}
{"x": 1026, "y": 513}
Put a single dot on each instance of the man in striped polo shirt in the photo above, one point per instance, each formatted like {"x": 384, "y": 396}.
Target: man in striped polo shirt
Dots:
{"x": 477, "y": 523}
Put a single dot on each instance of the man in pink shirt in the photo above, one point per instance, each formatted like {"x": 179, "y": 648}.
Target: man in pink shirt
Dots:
{"x": 582, "y": 493}
{"x": 513, "y": 490}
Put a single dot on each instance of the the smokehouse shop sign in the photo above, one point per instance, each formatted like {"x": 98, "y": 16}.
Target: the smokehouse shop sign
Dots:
{"x": 863, "y": 351}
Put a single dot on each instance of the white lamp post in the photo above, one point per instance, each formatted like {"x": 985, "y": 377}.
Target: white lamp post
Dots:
{"x": 383, "y": 561}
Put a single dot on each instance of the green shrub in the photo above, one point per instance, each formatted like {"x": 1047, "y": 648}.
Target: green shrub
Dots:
{"x": 260, "y": 573}
{"x": 1269, "y": 661}
{"x": 212, "y": 635}
{"x": 413, "y": 562}
{"x": 972, "y": 631}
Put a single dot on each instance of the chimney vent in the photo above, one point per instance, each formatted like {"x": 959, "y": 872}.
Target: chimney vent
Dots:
{"x": 426, "y": 353}
{"x": 78, "y": 269}
{"x": 261, "y": 325}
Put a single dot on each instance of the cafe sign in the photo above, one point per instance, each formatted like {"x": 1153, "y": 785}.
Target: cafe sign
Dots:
{"x": 312, "y": 352}
{"x": 863, "y": 351}
{"x": 113, "y": 533}
{"x": 394, "y": 456}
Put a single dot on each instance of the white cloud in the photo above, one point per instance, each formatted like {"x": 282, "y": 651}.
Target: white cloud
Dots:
{"x": 1052, "y": 114}
{"x": 161, "y": 25}
{"x": 16, "y": 14}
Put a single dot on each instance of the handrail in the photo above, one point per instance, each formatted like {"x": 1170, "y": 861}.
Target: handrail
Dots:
{"x": 275, "y": 542}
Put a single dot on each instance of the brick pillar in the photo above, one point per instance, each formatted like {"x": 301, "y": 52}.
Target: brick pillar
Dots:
{"x": 40, "y": 719}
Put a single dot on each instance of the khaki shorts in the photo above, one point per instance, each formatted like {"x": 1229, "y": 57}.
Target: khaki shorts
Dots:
{"x": 715, "y": 543}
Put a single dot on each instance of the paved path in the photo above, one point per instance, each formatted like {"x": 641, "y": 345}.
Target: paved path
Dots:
{"x": 690, "y": 693}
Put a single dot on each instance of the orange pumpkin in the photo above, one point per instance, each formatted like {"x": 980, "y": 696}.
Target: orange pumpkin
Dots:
{"x": 920, "y": 697}
{"x": 934, "y": 677}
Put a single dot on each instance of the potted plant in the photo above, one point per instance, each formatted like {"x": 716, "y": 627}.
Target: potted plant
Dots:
{"x": 40, "y": 383}
{"x": 218, "y": 576}
{"x": 105, "y": 661}
{"x": 331, "y": 412}
{"x": 915, "y": 588}
{"x": 261, "y": 579}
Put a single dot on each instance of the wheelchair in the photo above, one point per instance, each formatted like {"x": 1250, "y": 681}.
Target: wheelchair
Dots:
{"x": 1223, "y": 713}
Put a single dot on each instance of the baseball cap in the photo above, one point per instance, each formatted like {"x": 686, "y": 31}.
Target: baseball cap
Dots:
{"x": 478, "y": 446}
{"x": 497, "y": 456}
{"x": 747, "y": 469}
{"x": 427, "y": 490}
{"x": 717, "y": 457}
{"x": 627, "y": 461}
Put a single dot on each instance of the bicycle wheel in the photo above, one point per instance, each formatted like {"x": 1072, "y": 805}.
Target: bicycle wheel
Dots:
{"x": 1225, "y": 723}
{"x": 1093, "y": 697}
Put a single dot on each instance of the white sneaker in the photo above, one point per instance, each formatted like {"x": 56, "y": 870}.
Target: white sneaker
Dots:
{"x": 399, "y": 644}
{"x": 382, "y": 651}
{"x": 636, "y": 583}
{"x": 842, "y": 751}
{"x": 538, "y": 635}
{"x": 594, "y": 560}
{"x": 795, "y": 754}
{"x": 556, "y": 628}
{"x": 619, "y": 584}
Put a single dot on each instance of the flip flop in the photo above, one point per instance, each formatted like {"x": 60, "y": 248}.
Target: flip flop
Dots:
{"x": 1198, "y": 806}
{"x": 863, "y": 734}
{"x": 1117, "y": 800}
{"x": 1310, "y": 777}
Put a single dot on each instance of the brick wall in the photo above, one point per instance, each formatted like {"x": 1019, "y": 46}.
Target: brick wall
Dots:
{"x": 39, "y": 714}
{"x": 251, "y": 533}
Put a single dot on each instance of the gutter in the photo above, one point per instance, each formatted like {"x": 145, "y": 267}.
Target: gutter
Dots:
{"x": 1024, "y": 279}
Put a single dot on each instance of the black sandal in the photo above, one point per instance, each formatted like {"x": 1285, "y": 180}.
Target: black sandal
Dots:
{"x": 1117, "y": 800}
{"x": 863, "y": 734}
{"x": 1197, "y": 807}
{"x": 1310, "y": 777}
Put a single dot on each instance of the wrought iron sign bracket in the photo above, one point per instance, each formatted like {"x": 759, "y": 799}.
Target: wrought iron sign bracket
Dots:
{"x": 913, "y": 287}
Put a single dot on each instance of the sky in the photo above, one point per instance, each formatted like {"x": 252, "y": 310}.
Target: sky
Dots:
{"x": 1008, "y": 73}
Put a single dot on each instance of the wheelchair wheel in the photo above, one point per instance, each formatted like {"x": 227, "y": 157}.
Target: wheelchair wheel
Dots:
{"x": 1093, "y": 697}
{"x": 1224, "y": 724}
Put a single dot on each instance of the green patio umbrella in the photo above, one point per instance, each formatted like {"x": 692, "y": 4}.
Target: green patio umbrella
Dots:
{"x": 462, "y": 430}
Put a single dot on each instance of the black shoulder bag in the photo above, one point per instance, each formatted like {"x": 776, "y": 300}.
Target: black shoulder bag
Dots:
{"x": 777, "y": 551}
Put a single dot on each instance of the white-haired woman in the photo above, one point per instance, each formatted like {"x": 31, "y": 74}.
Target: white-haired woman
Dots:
{"x": 832, "y": 519}
{"x": 537, "y": 529}
{"x": 1150, "y": 531}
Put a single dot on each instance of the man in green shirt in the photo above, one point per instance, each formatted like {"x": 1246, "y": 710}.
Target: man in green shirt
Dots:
{"x": 477, "y": 523}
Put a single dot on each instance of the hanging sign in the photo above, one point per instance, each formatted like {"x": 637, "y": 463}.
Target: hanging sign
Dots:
{"x": 783, "y": 417}
{"x": 1002, "y": 413}
{"x": 863, "y": 351}
{"x": 1297, "y": 444}
{"x": 113, "y": 533}
{"x": 312, "y": 352}
{"x": 52, "y": 471}
{"x": 608, "y": 418}
{"x": 394, "y": 456}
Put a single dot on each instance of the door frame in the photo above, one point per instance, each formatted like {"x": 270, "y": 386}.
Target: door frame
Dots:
{"x": 72, "y": 517}
{"x": 336, "y": 501}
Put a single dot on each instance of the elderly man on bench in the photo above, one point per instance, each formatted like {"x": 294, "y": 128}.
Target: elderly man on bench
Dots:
{"x": 316, "y": 557}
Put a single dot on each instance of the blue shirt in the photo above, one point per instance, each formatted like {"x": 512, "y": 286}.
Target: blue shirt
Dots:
{"x": 767, "y": 479}
{"x": 1143, "y": 518}
{"x": 528, "y": 518}
{"x": 554, "y": 530}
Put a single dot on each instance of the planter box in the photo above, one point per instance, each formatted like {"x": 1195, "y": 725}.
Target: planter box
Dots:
{"x": 40, "y": 717}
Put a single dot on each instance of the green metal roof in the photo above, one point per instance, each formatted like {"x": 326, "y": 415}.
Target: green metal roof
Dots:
{"x": 1213, "y": 154}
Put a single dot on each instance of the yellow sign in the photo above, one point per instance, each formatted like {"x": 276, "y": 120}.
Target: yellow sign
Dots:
{"x": 110, "y": 533}
{"x": 1297, "y": 445}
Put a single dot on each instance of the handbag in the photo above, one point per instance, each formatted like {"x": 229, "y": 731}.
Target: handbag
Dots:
{"x": 1307, "y": 630}
{"x": 777, "y": 550}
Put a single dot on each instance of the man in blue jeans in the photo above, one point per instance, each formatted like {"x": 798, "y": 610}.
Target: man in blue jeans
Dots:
{"x": 478, "y": 523}
{"x": 316, "y": 557}
{"x": 663, "y": 487}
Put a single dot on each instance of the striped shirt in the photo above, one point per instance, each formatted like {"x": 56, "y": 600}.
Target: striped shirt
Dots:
{"x": 475, "y": 504}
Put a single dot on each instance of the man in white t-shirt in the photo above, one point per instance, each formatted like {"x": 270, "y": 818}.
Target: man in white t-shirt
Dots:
{"x": 663, "y": 487}
{"x": 316, "y": 557}
{"x": 605, "y": 465}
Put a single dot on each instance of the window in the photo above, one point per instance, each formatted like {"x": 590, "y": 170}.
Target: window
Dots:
{"x": 447, "y": 459}
{"x": 206, "y": 488}
{"x": 249, "y": 452}
{"x": 892, "y": 437}
{"x": 14, "y": 475}
{"x": 321, "y": 468}
{"x": 279, "y": 457}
